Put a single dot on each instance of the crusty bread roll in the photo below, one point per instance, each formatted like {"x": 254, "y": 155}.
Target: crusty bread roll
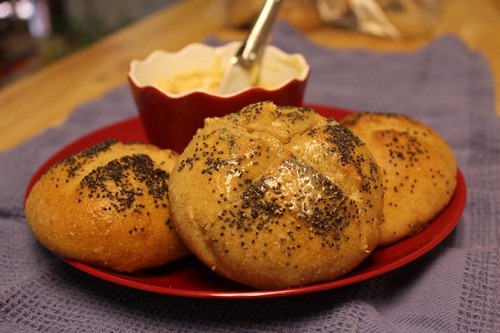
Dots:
{"x": 277, "y": 197}
{"x": 419, "y": 170}
{"x": 108, "y": 206}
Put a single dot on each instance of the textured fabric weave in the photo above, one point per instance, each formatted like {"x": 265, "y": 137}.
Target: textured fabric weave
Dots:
{"x": 453, "y": 288}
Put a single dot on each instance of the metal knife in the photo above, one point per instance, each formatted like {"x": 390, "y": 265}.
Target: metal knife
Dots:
{"x": 243, "y": 68}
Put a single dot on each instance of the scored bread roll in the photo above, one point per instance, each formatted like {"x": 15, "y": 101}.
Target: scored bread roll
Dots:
{"x": 108, "y": 206}
{"x": 419, "y": 170}
{"x": 276, "y": 197}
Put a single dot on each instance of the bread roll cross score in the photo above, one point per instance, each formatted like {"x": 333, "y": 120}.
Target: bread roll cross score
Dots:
{"x": 276, "y": 197}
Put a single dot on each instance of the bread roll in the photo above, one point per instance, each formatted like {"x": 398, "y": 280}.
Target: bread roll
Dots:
{"x": 419, "y": 170}
{"x": 277, "y": 197}
{"x": 108, "y": 206}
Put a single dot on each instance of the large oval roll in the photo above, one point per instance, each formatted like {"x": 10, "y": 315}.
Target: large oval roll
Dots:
{"x": 277, "y": 197}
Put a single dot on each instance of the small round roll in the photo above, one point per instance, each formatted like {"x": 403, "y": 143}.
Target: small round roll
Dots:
{"x": 419, "y": 170}
{"x": 108, "y": 206}
{"x": 276, "y": 197}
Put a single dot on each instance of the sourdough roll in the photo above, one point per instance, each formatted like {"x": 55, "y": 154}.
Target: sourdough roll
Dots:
{"x": 277, "y": 197}
{"x": 108, "y": 206}
{"x": 419, "y": 170}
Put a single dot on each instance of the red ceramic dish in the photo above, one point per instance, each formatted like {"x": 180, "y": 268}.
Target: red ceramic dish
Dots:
{"x": 190, "y": 278}
{"x": 171, "y": 119}
{"x": 169, "y": 122}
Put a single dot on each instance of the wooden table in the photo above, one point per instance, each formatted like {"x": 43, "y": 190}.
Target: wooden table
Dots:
{"x": 32, "y": 104}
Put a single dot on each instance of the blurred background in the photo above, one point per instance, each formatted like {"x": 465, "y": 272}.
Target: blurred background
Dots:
{"x": 34, "y": 33}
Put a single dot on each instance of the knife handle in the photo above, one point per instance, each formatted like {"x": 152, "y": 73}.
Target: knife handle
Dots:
{"x": 252, "y": 46}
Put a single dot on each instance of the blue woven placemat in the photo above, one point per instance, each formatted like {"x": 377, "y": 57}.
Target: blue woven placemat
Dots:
{"x": 454, "y": 288}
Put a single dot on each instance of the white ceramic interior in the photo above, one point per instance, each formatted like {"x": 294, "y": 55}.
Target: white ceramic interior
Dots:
{"x": 278, "y": 68}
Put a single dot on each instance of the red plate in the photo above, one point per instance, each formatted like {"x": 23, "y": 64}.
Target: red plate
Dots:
{"x": 189, "y": 277}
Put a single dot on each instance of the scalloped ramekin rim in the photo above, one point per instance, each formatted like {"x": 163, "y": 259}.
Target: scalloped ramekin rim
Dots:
{"x": 218, "y": 50}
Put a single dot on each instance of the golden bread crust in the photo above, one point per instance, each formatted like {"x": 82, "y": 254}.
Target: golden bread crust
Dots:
{"x": 284, "y": 197}
{"x": 108, "y": 206}
{"x": 419, "y": 170}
